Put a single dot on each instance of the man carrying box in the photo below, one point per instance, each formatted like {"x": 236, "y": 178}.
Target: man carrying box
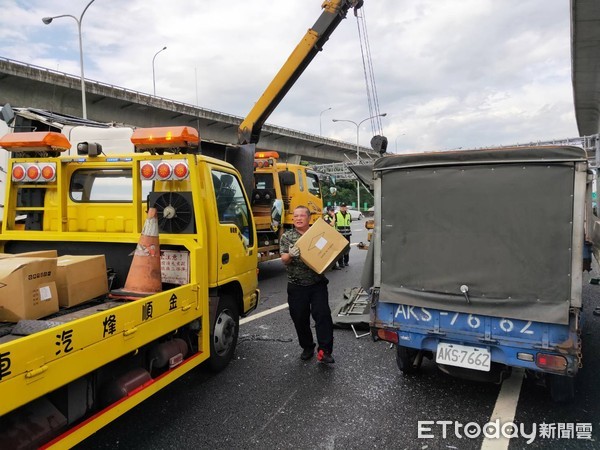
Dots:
{"x": 307, "y": 293}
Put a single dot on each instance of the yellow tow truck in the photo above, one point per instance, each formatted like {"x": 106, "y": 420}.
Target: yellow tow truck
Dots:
{"x": 68, "y": 374}
{"x": 278, "y": 189}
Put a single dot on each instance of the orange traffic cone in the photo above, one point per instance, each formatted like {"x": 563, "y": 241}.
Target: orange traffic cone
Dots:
{"x": 144, "y": 274}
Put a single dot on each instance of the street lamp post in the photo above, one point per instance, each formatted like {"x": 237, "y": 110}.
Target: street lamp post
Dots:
{"x": 153, "y": 73}
{"x": 320, "y": 126}
{"x": 47, "y": 21}
{"x": 357, "y": 125}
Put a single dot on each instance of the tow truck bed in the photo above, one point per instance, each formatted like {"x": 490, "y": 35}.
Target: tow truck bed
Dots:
{"x": 83, "y": 340}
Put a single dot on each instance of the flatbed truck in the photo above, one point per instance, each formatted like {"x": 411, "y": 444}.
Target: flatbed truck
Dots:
{"x": 477, "y": 261}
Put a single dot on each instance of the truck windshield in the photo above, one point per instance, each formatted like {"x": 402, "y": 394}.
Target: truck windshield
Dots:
{"x": 231, "y": 204}
{"x": 105, "y": 185}
{"x": 312, "y": 180}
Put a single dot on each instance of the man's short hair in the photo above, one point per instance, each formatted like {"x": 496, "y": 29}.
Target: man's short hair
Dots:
{"x": 343, "y": 205}
{"x": 305, "y": 208}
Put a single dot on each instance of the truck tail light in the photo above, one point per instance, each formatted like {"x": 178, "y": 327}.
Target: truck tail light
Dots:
{"x": 31, "y": 172}
{"x": 260, "y": 163}
{"x": 48, "y": 172}
{"x": 18, "y": 172}
{"x": 552, "y": 362}
{"x": 387, "y": 335}
{"x": 147, "y": 171}
{"x": 181, "y": 171}
{"x": 164, "y": 171}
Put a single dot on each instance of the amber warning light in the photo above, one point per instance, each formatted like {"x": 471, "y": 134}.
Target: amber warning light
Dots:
{"x": 175, "y": 139}
{"x": 35, "y": 141}
{"x": 264, "y": 155}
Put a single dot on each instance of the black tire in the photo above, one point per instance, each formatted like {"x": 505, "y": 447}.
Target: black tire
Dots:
{"x": 408, "y": 360}
{"x": 224, "y": 335}
{"x": 562, "y": 389}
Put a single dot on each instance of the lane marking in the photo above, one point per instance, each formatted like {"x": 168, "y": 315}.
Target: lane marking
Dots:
{"x": 505, "y": 408}
{"x": 263, "y": 313}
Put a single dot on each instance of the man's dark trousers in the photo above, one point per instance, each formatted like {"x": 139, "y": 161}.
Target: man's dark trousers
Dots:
{"x": 345, "y": 258}
{"x": 304, "y": 301}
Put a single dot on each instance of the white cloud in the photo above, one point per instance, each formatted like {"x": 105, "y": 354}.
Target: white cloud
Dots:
{"x": 449, "y": 73}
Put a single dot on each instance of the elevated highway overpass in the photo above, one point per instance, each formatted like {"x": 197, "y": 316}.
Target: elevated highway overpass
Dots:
{"x": 25, "y": 85}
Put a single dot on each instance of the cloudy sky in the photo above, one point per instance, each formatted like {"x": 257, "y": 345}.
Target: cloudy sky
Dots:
{"x": 449, "y": 73}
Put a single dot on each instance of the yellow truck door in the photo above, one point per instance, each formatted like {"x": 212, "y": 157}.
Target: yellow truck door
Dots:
{"x": 236, "y": 236}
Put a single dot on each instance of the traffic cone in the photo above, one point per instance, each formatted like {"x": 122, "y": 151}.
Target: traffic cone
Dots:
{"x": 144, "y": 273}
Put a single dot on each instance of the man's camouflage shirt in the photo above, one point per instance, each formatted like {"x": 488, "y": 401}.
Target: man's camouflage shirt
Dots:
{"x": 298, "y": 272}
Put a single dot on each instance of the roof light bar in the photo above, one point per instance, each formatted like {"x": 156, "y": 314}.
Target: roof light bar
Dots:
{"x": 35, "y": 141}
{"x": 264, "y": 155}
{"x": 174, "y": 138}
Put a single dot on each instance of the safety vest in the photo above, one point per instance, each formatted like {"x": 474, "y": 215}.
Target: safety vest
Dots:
{"x": 342, "y": 223}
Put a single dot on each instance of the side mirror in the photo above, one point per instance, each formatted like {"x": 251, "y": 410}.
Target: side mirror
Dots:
{"x": 287, "y": 178}
{"x": 7, "y": 114}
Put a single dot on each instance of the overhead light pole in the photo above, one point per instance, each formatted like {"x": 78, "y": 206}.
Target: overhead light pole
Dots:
{"x": 47, "y": 21}
{"x": 357, "y": 125}
{"x": 320, "y": 123}
{"x": 153, "y": 73}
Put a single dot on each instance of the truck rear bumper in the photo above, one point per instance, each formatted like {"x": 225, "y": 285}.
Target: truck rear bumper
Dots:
{"x": 535, "y": 346}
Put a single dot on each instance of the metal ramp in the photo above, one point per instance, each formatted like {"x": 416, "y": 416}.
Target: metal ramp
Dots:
{"x": 353, "y": 312}
{"x": 340, "y": 170}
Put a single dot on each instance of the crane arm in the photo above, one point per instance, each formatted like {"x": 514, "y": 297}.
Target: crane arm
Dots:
{"x": 334, "y": 11}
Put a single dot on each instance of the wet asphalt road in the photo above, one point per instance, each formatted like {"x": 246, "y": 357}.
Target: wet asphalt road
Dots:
{"x": 269, "y": 399}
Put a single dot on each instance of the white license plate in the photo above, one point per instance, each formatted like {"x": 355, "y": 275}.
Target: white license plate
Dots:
{"x": 463, "y": 356}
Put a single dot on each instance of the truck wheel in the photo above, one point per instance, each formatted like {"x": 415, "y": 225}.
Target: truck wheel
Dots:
{"x": 562, "y": 389}
{"x": 408, "y": 359}
{"x": 223, "y": 339}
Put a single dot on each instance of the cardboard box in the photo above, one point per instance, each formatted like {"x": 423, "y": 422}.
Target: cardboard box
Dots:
{"x": 35, "y": 254}
{"x": 80, "y": 278}
{"x": 27, "y": 288}
{"x": 321, "y": 246}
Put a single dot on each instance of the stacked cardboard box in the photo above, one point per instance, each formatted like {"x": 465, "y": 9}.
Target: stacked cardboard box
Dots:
{"x": 34, "y": 284}
{"x": 321, "y": 246}
{"x": 80, "y": 278}
{"x": 27, "y": 288}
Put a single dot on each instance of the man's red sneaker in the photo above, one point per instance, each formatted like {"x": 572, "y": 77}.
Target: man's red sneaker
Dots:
{"x": 325, "y": 357}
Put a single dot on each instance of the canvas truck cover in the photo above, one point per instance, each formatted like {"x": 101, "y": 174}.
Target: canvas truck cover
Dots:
{"x": 499, "y": 221}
